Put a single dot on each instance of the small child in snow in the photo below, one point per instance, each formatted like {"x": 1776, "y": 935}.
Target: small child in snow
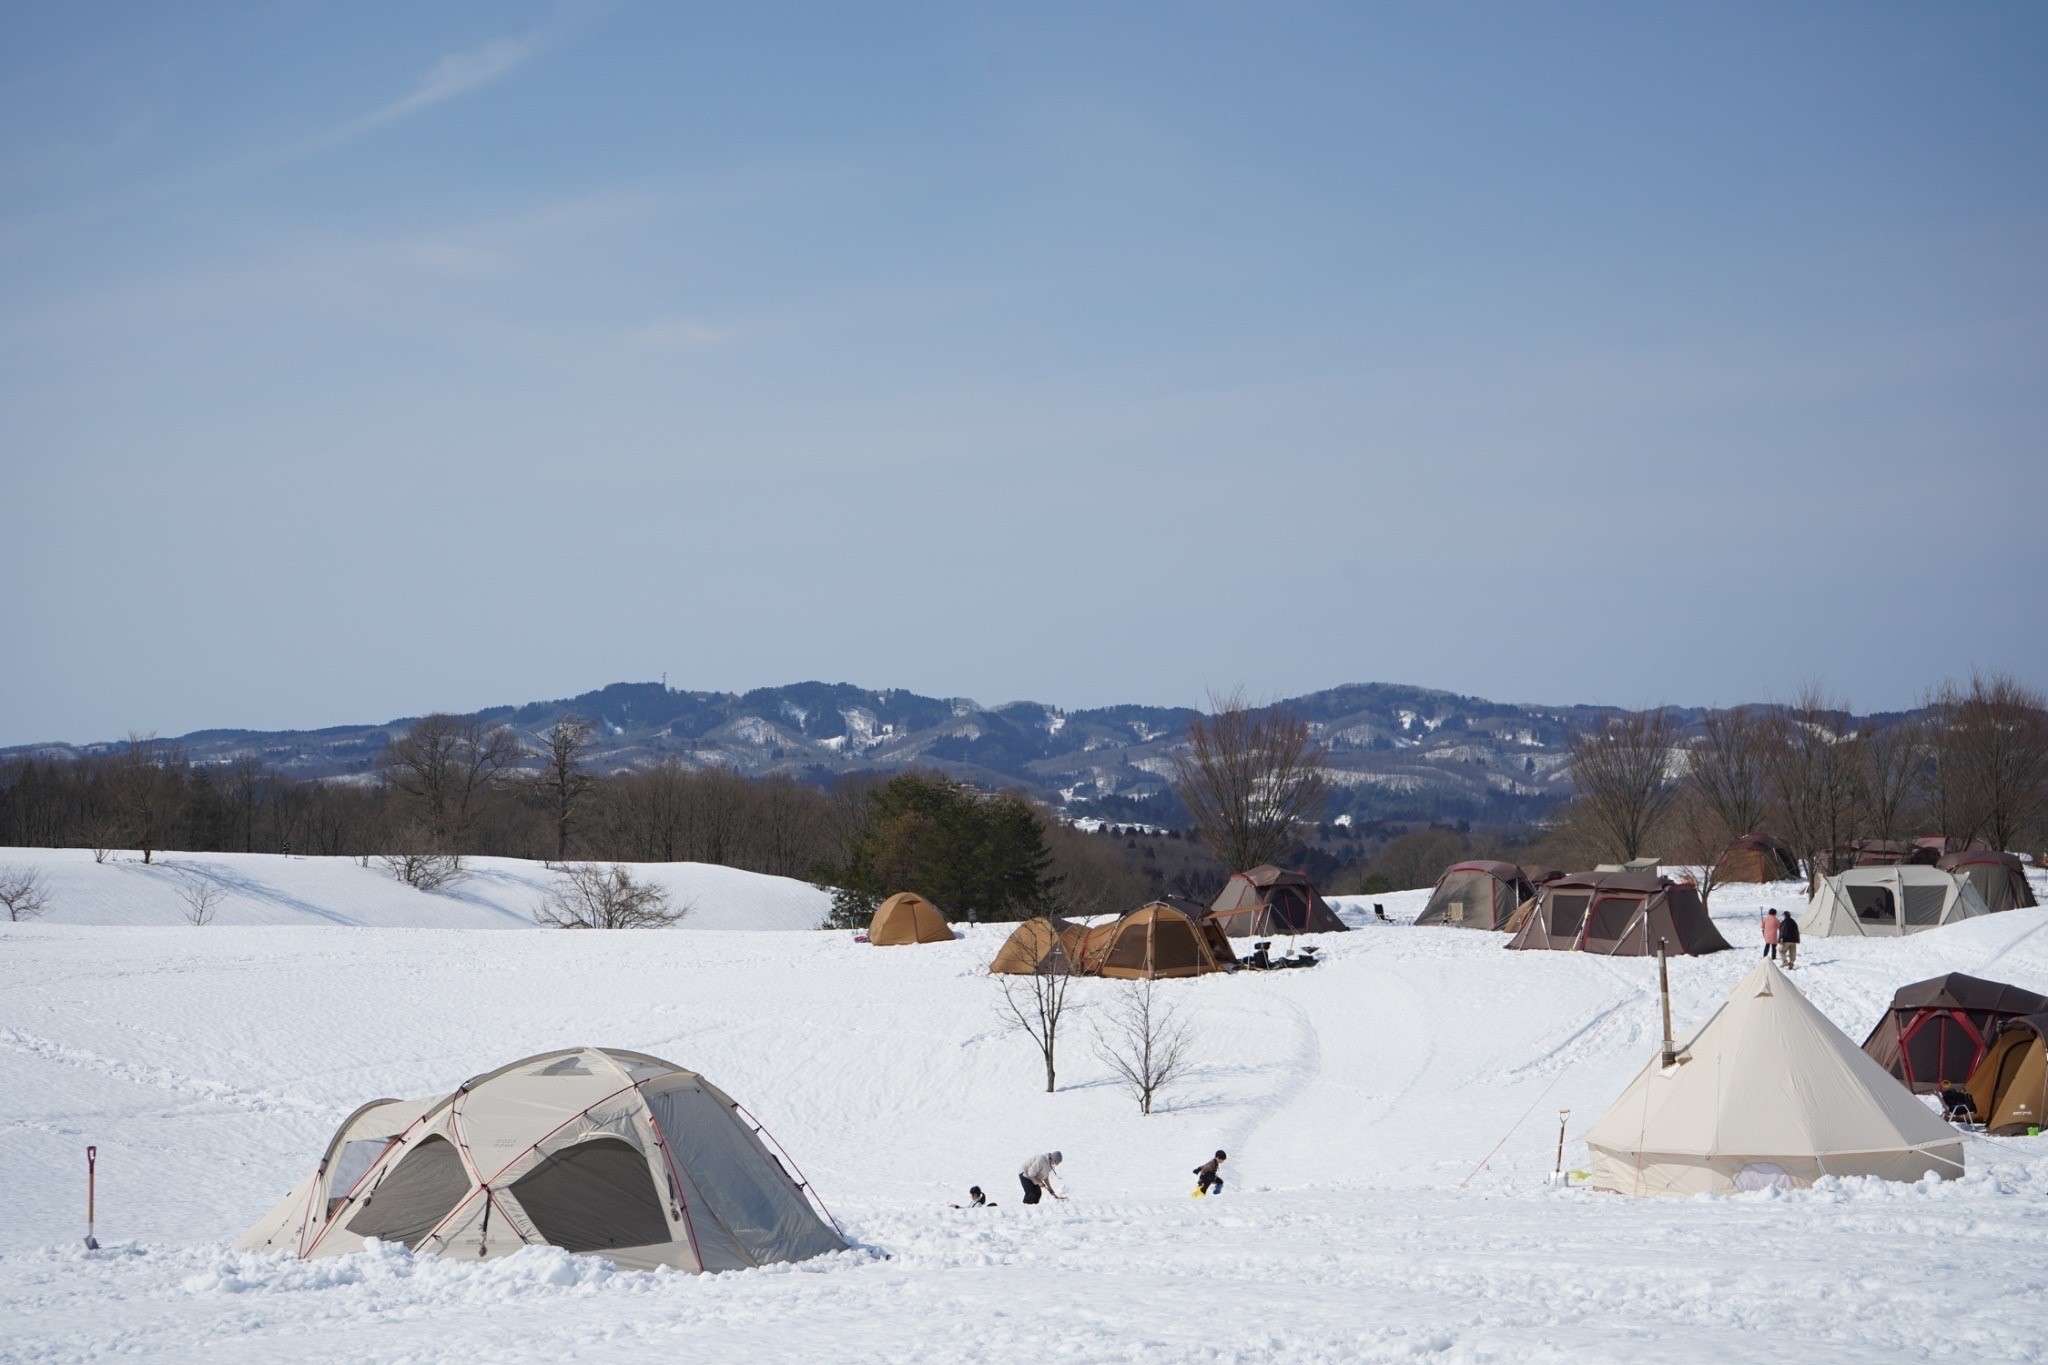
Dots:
{"x": 1208, "y": 1179}
{"x": 975, "y": 1199}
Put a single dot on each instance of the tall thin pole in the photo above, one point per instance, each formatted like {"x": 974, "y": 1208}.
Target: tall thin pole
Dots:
{"x": 91, "y": 1188}
{"x": 1562, "y": 1115}
{"x": 1664, "y": 995}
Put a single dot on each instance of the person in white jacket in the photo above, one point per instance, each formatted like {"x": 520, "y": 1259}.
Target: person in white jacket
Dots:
{"x": 1036, "y": 1177}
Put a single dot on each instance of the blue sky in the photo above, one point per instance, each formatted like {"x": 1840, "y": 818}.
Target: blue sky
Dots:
{"x": 358, "y": 361}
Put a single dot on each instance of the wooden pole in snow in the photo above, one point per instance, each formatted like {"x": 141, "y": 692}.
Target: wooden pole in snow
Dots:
{"x": 1664, "y": 995}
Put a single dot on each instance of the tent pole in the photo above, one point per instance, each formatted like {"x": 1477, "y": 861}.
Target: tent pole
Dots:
{"x": 1664, "y": 995}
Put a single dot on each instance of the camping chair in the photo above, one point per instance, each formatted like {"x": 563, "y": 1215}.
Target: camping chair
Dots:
{"x": 1958, "y": 1107}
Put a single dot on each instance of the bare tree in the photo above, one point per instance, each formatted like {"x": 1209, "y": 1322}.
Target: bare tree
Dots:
{"x": 1250, "y": 778}
{"x": 445, "y": 766}
{"x": 202, "y": 898}
{"x": 591, "y": 896}
{"x": 1892, "y": 757}
{"x": 1725, "y": 767}
{"x": 419, "y": 862}
{"x": 150, "y": 790}
{"x": 562, "y": 780}
{"x": 1990, "y": 766}
{"x": 1035, "y": 1007}
{"x": 1815, "y": 776}
{"x": 1624, "y": 778}
{"x": 1145, "y": 1042}
{"x": 23, "y": 893}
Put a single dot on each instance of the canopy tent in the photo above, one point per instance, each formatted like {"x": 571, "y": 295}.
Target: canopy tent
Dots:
{"x": 588, "y": 1149}
{"x": 1617, "y": 914}
{"x": 1480, "y": 894}
{"x": 1270, "y": 900}
{"x": 1161, "y": 939}
{"x": 1768, "y": 1094}
{"x": 1879, "y": 902}
{"x": 1935, "y": 1032}
{"x": 2000, "y": 878}
{"x": 1040, "y": 946}
{"x": 907, "y": 917}
{"x": 2009, "y": 1088}
{"x": 1756, "y": 858}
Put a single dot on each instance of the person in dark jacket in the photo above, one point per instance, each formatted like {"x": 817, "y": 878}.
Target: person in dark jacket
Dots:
{"x": 1788, "y": 942}
{"x": 1208, "y": 1178}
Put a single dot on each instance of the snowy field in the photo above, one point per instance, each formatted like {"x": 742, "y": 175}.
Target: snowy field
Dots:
{"x": 1391, "y": 1117}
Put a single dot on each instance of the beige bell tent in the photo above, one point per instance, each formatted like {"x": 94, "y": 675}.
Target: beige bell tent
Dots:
{"x": 907, "y": 917}
{"x": 1884, "y": 902}
{"x": 1041, "y": 946}
{"x": 1768, "y": 1094}
{"x": 589, "y": 1149}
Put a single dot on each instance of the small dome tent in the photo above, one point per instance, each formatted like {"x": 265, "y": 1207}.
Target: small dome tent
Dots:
{"x": 1887, "y": 901}
{"x": 588, "y": 1149}
{"x": 1935, "y": 1032}
{"x": 1616, "y": 914}
{"x": 1768, "y": 1094}
{"x": 2000, "y": 878}
{"x": 907, "y": 917}
{"x": 1480, "y": 894}
{"x": 1159, "y": 940}
{"x": 1756, "y": 858}
{"x": 1271, "y": 900}
{"x": 1041, "y": 946}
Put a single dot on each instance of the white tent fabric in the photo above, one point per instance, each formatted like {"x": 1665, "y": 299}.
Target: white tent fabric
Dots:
{"x": 1885, "y": 902}
{"x": 1768, "y": 1093}
{"x": 590, "y": 1149}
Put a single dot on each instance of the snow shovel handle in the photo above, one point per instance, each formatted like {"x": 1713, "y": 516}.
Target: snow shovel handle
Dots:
{"x": 92, "y": 1155}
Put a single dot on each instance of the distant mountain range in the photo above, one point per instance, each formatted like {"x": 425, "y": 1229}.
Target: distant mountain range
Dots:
{"x": 1395, "y": 751}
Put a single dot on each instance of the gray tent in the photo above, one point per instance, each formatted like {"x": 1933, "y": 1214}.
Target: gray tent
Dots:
{"x": 1480, "y": 894}
{"x": 590, "y": 1149}
{"x": 1886, "y": 901}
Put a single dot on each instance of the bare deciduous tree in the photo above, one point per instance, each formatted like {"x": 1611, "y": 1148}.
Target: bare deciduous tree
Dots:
{"x": 1624, "y": 780}
{"x": 150, "y": 792}
{"x": 419, "y": 861}
{"x": 1250, "y": 778}
{"x": 563, "y": 780}
{"x": 1891, "y": 756}
{"x": 23, "y": 893}
{"x": 1145, "y": 1042}
{"x": 1035, "y": 1007}
{"x": 445, "y": 766}
{"x": 591, "y": 896}
{"x": 1990, "y": 744}
{"x": 1725, "y": 768}
{"x": 202, "y": 898}
{"x": 1816, "y": 777}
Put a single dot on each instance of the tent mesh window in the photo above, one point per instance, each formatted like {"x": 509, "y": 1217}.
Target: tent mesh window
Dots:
{"x": 1873, "y": 904}
{"x": 351, "y": 1164}
{"x": 418, "y": 1193}
{"x": 1567, "y": 909}
{"x": 1923, "y": 904}
{"x": 1610, "y": 917}
{"x": 594, "y": 1196}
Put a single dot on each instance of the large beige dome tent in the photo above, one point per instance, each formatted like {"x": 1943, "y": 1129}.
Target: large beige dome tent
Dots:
{"x": 1615, "y": 914}
{"x": 1884, "y": 902}
{"x": 1769, "y": 1094}
{"x": 1481, "y": 894}
{"x": 589, "y": 1149}
{"x": 907, "y": 917}
{"x": 1042, "y": 946}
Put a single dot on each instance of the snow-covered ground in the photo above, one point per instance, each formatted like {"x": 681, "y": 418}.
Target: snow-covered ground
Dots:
{"x": 1391, "y": 1118}
{"x": 492, "y": 893}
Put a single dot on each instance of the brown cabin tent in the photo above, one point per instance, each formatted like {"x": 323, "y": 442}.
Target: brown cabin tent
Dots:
{"x": 1163, "y": 938}
{"x": 1769, "y": 1094}
{"x": 2009, "y": 1088}
{"x": 1042, "y": 946}
{"x": 588, "y": 1149}
{"x": 907, "y": 917}
{"x": 1756, "y": 858}
{"x": 1935, "y": 1032}
{"x": 1480, "y": 894}
{"x": 2000, "y": 878}
{"x": 1270, "y": 900}
{"x": 1616, "y": 914}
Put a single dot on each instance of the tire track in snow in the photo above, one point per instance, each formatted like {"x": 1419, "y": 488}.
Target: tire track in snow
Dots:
{"x": 159, "y": 1078}
{"x": 1303, "y": 1066}
{"x": 2016, "y": 942}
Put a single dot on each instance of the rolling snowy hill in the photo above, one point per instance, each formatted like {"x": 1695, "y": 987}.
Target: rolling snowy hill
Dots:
{"x": 1391, "y": 1118}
